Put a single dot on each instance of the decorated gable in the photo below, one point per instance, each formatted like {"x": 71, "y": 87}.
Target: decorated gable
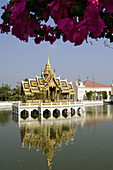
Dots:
{"x": 70, "y": 86}
{"x": 34, "y": 86}
{"x": 33, "y": 83}
{"x": 58, "y": 82}
{"x": 63, "y": 84}
{"x": 26, "y": 85}
{"x": 71, "y": 89}
{"x": 40, "y": 81}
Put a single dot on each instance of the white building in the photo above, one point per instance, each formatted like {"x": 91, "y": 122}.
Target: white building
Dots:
{"x": 112, "y": 90}
{"x": 81, "y": 88}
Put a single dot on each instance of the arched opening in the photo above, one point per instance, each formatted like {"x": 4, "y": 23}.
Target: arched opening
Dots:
{"x": 72, "y": 112}
{"x": 46, "y": 114}
{"x": 24, "y": 114}
{"x": 56, "y": 113}
{"x": 64, "y": 113}
{"x": 79, "y": 111}
{"x": 35, "y": 114}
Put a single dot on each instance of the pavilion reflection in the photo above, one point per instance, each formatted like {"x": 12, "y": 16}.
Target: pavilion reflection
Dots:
{"x": 48, "y": 137}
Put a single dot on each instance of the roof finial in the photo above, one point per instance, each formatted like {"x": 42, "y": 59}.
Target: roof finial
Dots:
{"x": 48, "y": 55}
{"x": 41, "y": 72}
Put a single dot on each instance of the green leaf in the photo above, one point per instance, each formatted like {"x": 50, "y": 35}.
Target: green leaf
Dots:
{"x": 78, "y": 10}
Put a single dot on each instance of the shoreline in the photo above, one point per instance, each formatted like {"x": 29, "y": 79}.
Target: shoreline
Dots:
{"x": 93, "y": 103}
{"x": 7, "y": 104}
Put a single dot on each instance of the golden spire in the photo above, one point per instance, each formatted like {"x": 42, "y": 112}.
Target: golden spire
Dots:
{"x": 48, "y": 56}
{"x": 48, "y": 68}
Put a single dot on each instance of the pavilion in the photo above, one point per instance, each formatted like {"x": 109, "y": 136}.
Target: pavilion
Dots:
{"x": 47, "y": 88}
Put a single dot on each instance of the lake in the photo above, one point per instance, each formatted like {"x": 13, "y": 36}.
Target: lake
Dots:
{"x": 83, "y": 144}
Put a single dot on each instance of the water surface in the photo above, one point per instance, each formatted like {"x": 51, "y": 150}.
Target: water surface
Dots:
{"x": 84, "y": 144}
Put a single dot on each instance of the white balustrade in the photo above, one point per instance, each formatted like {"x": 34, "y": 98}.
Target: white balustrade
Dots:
{"x": 50, "y": 106}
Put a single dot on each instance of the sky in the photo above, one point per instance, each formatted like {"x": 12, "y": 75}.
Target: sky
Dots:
{"x": 19, "y": 60}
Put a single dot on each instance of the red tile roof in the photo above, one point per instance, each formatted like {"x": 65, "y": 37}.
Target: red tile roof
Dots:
{"x": 89, "y": 83}
{"x": 73, "y": 83}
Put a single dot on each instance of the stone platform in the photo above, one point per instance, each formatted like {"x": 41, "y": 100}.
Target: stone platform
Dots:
{"x": 47, "y": 111}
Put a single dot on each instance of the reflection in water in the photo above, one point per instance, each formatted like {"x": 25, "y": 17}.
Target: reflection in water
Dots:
{"x": 51, "y": 135}
{"x": 4, "y": 116}
{"x": 47, "y": 137}
{"x": 98, "y": 114}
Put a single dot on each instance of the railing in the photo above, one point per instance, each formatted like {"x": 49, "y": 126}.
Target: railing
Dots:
{"x": 51, "y": 104}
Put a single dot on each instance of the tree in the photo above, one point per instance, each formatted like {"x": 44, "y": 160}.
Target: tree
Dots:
{"x": 75, "y": 20}
{"x": 16, "y": 92}
{"x": 104, "y": 94}
{"x": 8, "y": 94}
{"x": 5, "y": 92}
{"x": 92, "y": 95}
{"x": 89, "y": 95}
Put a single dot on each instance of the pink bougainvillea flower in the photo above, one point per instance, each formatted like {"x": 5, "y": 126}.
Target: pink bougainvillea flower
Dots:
{"x": 94, "y": 2}
{"x": 58, "y": 10}
{"x": 38, "y": 40}
{"x": 23, "y": 30}
{"x": 95, "y": 24}
{"x": 76, "y": 33}
{"x": 79, "y": 33}
{"x": 22, "y": 27}
{"x": 66, "y": 25}
{"x": 74, "y": 19}
{"x": 18, "y": 9}
{"x": 31, "y": 26}
{"x": 49, "y": 38}
{"x": 46, "y": 14}
{"x": 4, "y": 28}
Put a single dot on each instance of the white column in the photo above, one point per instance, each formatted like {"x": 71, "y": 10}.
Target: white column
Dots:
{"x": 41, "y": 115}
{"x": 75, "y": 111}
{"x": 60, "y": 110}
{"x": 29, "y": 112}
{"x": 51, "y": 112}
{"x": 41, "y": 111}
{"x": 69, "y": 110}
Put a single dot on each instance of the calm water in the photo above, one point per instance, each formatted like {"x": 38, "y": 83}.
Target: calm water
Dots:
{"x": 76, "y": 144}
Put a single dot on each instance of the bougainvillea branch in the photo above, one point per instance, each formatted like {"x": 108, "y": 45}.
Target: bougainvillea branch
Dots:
{"x": 74, "y": 20}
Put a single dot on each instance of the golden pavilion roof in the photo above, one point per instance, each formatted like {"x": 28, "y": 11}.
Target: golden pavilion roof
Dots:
{"x": 47, "y": 78}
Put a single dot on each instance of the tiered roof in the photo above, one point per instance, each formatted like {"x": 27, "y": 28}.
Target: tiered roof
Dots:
{"x": 36, "y": 85}
{"x": 31, "y": 86}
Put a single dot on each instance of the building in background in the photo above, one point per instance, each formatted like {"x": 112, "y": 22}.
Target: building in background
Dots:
{"x": 90, "y": 90}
